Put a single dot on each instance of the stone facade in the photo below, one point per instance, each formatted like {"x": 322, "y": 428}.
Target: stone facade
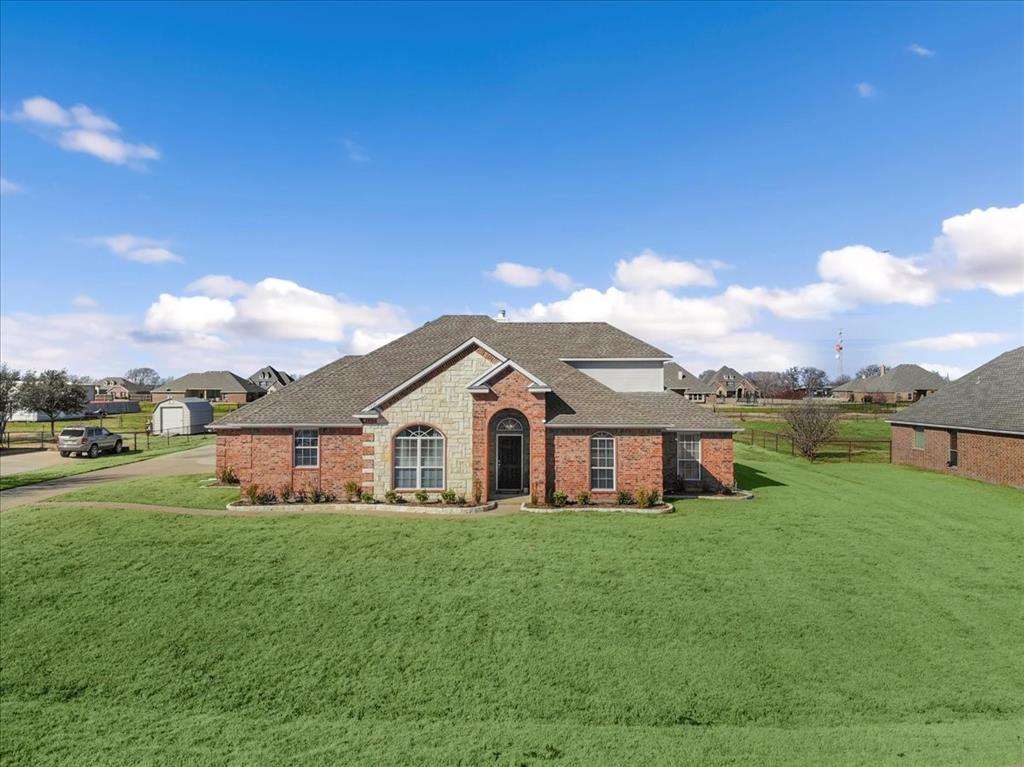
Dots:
{"x": 440, "y": 401}
{"x": 997, "y": 458}
{"x": 639, "y": 460}
{"x": 264, "y": 456}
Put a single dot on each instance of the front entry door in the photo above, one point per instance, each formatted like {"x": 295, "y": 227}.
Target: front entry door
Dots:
{"x": 510, "y": 462}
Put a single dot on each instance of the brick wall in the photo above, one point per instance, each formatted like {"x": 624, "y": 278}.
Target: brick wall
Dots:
{"x": 997, "y": 458}
{"x": 716, "y": 461}
{"x": 264, "y": 456}
{"x": 509, "y": 392}
{"x": 639, "y": 460}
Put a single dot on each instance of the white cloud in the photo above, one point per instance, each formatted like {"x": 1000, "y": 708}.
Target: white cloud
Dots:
{"x": 649, "y": 270}
{"x": 954, "y": 341}
{"x": 189, "y": 314}
{"x": 354, "y": 151}
{"x": 920, "y": 50}
{"x": 9, "y": 187}
{"x": 952, "y": 372}
{"x": 987, "y": 249}
{"x": 84, "y": 301}
{"x": 142, "y": 249}
{"x": 80, "y": 129}
{"x": 868, "y": 275}
{"x": 865, "y": 90}
{"x": 522, "y": 276}
{"x": 218, "y": 285}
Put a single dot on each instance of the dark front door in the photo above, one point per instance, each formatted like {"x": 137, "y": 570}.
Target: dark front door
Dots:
{"x": 510, "y": 462}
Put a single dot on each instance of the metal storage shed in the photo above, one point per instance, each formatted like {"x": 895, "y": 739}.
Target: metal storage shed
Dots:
{"x": 182, "y": 416}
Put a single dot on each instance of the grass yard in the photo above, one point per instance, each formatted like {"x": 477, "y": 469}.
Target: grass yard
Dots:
{"x": 874, "y": 452}
{"x": 72, "y": 466}
{"x": 185, "y": 491}
{"x": 849, "y": 615}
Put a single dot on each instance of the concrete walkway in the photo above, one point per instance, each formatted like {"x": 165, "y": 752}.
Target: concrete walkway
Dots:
{"x": 195, "y": 461}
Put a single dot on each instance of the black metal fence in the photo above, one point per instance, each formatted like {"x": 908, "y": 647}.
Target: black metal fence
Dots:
{"x": 848, "y": 450}
{"x": 131, "y": 440}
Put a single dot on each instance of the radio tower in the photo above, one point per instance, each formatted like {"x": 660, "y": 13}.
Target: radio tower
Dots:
{"x": 839, "y": 355}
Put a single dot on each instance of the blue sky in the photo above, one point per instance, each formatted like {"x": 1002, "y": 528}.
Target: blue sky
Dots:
{"x": 225, "y": 186}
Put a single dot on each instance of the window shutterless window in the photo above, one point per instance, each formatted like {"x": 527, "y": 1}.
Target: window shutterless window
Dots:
{"x": 954, "y": 454}
{"x": 918, "y": 438}
{"x": 688, "y": 456}
{"x": 419, "y": 459}
{"x": 602, "y": 461}
{"x": 306, "y": 447}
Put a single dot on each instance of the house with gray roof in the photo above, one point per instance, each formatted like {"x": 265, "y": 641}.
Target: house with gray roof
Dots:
{"x": 485, "y": 408}
{"x": 903, "y": 383}
{"x": 270, "y": 378}
{"x": 118, "y": 388}
{"x": 973, "y": 426}
{"x": 728, "y": 383}
{"x": 212, "y": 385}
{"x": 683, "y": 382}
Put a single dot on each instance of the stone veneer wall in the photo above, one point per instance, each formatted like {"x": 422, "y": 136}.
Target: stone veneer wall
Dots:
{"x": 997, "y": 458}
{"x": 440, "y": 401}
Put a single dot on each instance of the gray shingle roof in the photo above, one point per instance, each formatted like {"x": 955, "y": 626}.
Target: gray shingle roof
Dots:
{"x": 224, "y": 380}
{"x": 738, "y": 379}
{"x": 990, "y": 398}
{"x": 678, "y": 377}
{"x": 128, "y": 385}
{"x": 334, "y": 393}
{"x": 274, "y": 377}
{"x": 905, "y": 378}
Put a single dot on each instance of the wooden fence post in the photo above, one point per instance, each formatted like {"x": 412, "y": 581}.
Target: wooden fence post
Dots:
{"x": 849, "y": 452}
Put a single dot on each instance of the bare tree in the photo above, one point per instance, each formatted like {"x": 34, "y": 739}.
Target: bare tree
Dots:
{"x": 813, "y": 379}
{"x": 768, "y": 382}
{"x": 51, "y": 392}
{"x": 812, "y": 423}
{"x": 840, "y": 380}
{"x": 791, "y": 378}
{"x": 869, "y": 371}
{"x": 8, "y": 394}
{"x": 144, "y": 376}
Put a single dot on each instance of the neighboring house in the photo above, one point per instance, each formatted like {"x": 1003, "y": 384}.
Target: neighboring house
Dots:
{"x": 973, "y": 427}
{"x": 117, "y": 388}
{"x": 727, "y": 383}
{"x": 484, "y": 408}
{"x": 903, "y": 383}
{"x": 270, "y": 379}
{"x": 213, "y": 386}
{"x": 682, "y": 381}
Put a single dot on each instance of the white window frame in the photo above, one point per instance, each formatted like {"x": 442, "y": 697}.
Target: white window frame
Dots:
{"x": 419, "y": 467}
{"x": 920, "y": 430}
{"x": 680, "y": 460}
{"x": 603, "y": 435}
{"x": 314, "y": 447}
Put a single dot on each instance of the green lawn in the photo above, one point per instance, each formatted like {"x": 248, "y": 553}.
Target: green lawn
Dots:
{"x": 875, "y": 452}
{"x": 186, "y": 491}
{"x": 849, "y": 615}
{"x": 72, "y": 466}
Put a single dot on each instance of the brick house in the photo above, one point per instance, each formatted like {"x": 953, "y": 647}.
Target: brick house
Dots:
{"x": 213, "y": 386}
{"x": 484, "y": 408}
{"x": 686, "y": 384}
{"x": 118, "y": 389}
{"x": 903, "y": 383}
{"x": 973, "y": 427}
{"x": 728, "y": 383}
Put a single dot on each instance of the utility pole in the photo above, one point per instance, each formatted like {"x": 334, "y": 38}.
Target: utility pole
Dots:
{"x": 839, "y": 355}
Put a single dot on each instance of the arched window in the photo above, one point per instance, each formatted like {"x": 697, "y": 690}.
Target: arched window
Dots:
{"x": 602, "y": 461}
{"x": 507, "y": 425}
{"x": 419, "y": 459}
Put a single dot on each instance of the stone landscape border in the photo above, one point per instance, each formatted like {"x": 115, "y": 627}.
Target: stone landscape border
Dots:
{"x": 735, "y": 495}
{"x": 660, "y": 508}
{"x": 404, "y": 508}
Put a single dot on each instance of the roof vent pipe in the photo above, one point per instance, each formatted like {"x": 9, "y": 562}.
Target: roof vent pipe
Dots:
{"x": 502, "y": 316}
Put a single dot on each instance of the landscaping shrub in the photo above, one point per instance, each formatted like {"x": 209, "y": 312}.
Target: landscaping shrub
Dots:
{"x": 316, "y": 495}
{"x": 228, "y": 476}
{"x": 265, "y": 499}
{"x": 352, "y": 491}
{"x": 285, "y": 493}
{"x": 461, "y": 500}
{"x": 300, "y": 496}
{"x": 624, "y": 498}
{"x": 448, "y": 496}
{"x": 252, "y": 493}
{"x": 643, "y": 498}
{"x": 392, "y": 497}
{"x": 422, "y": 496}
{"x": 583, "y": 497}
{"x": 559, "y": 498}
{"x": 367, "y": 498}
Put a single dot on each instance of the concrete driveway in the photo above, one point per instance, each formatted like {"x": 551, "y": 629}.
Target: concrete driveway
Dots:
{"x": 195, "y": 461}
{"x": 18, "y": 460}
